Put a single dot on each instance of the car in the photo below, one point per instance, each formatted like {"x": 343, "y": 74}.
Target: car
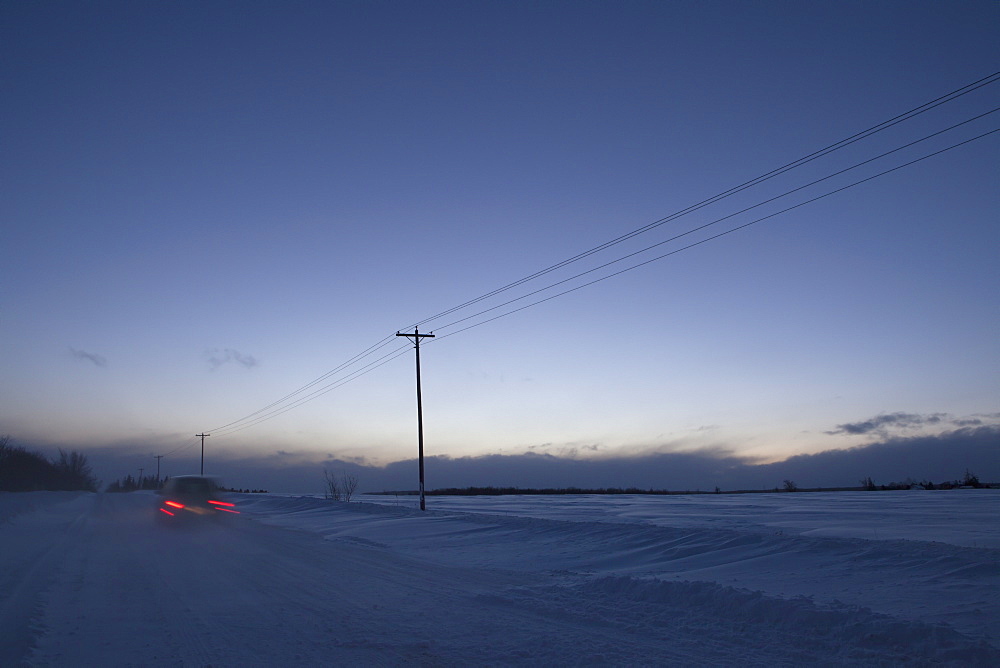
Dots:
{"x": 190, "y": 497}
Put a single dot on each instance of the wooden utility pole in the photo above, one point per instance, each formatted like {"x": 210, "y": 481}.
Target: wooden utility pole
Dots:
{"x": 202, "y": 451}
{"x": 416, "y": 336}
{"x": 158, "y": 458}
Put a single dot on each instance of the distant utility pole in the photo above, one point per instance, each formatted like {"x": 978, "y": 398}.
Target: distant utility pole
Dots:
{"x": 416, "y": 336}
{"x": 140, "y": 477}
{"x": 202, "y": 451}
{"x": 158, "y": 458}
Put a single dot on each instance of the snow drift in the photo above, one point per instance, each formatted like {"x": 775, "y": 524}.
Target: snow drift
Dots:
{"x": 828, "y": 579}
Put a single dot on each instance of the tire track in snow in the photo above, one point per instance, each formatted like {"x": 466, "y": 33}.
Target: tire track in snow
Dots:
{"x": 45, "y": 533}
{"x": 109, "y": 597}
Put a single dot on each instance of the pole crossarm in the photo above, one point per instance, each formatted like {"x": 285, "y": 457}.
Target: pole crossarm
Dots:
{"x": 416, "y": 336}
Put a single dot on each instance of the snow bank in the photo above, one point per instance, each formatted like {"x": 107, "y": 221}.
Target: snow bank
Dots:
{"x": 705, "y": 538}
{"x": 13, "y": 504}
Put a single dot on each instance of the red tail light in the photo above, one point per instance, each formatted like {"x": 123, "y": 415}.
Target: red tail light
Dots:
{"x": 163, "y": 510}
{"x": 173, "y": 504}
{"x": 223, "y": 506}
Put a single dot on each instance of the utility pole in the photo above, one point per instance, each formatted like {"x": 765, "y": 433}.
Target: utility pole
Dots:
{"x": 140, "y": 477}
{"x": 202, "y": 451}
{"x": 420, "y": 410}
{"x": 158, "y": 458}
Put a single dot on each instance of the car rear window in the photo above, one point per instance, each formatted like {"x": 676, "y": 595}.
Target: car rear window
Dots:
{"x": 198, "y": 486}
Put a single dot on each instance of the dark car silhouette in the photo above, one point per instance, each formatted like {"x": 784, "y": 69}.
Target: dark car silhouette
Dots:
{"x": 188, "y": 497}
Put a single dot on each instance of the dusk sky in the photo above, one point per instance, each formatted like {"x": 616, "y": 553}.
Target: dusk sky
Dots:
{"x": 207, "y": 206}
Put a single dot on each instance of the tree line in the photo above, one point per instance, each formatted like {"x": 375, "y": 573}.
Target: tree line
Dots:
{"x": 130, "y": 484}
{"x": 969, "y": 480}
{"x": 22, "y": 470}
{"x": 501, "y": 491}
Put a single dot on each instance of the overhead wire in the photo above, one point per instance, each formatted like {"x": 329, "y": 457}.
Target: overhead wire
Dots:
{"x": 900, "y": 118}
{"x": 365, "y": 353}
{"x": 282, "y": 405}
{"x": 371, "y": 366}
{"x": 699, "y": 242}
{"x": 179, "y": 448}
{"x": 397, "y": 353}
{"x": 732, "y": 215}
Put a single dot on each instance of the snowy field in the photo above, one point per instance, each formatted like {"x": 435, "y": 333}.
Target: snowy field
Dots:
{"x": 867, "y": 578}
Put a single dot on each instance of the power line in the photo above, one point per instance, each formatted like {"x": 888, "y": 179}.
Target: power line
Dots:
{"x": 697, "y": 243}
{"x": 178, "y": 449}
{"x": 916, "y": 111}
{"x": 265, "y": 416}
{"x": 371, "y": 366}
{"x": 741, "y": 211}
{"x": 281, "y": 405}
{"x": 312, "y": 383}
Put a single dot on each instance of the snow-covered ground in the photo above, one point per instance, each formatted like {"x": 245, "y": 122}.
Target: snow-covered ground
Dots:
{"x": 871, "y": 578}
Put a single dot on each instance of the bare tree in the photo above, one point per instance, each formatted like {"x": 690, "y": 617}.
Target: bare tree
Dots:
{"x": 74, "y": 472}
{"x": 790, "y": 486}
{"x": 332, "y": 486}
{"x": 348, "y": 483}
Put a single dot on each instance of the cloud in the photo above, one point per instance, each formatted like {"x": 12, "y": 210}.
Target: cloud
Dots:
{"x": 882, "y": 425}
{"x": 98, "y": 360}
{"x": 571, "y": 451}
{"x": 935, "y": 457}
{"x": 217, "y": 358}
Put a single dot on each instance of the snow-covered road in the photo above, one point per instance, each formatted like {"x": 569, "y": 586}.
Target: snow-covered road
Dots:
{"x": 92, "y": 580}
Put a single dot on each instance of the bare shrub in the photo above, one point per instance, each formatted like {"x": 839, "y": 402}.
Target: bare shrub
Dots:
{"x": 332, "y": 490}
{"x": 348, "y": 485}
{"x": 340, "y": 488}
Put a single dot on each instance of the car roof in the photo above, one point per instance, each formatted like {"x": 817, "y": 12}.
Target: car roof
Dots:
{"x": 192, "y": 482}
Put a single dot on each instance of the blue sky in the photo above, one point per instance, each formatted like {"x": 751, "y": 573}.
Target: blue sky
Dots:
{"x": 206, "y": 206}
